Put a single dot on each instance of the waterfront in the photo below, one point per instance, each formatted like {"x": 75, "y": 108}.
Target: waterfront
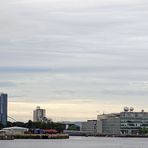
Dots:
{"x": 78, "y": 142}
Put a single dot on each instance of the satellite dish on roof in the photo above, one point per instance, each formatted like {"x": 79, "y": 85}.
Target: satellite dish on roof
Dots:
{"x": 142, "y": 110}
{"x": 131, "y": 109}
{"x": 38, "y": 107}
{"x": 126, "y": 109}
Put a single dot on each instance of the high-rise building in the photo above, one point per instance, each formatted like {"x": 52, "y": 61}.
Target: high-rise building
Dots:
{"x": 39, "y": 114}
{"x": 3, "y": 109}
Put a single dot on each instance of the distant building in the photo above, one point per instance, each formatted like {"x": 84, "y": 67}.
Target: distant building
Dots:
{"x": 15, "y": 130}
{"x": 89, "y": 127}
{"x": 3, "y": 109}
{"x": 127, "y": 122}
{"x": 108, "y": 124}
{"x": 39, "y": 114}
{"x": 132, "y": 122}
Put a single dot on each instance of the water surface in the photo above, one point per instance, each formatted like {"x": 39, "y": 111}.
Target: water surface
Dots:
{"x": 78, "y": 142}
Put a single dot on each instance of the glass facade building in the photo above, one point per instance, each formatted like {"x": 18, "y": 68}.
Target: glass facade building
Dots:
{"x": 123, "y": 123}
{"x": 3, "y": 108}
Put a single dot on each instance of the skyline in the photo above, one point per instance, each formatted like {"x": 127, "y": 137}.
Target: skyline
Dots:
{"x": 76, "y": 58}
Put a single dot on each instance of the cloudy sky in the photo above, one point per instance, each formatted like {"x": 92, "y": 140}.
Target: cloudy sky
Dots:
{"x": 76, "y": 58}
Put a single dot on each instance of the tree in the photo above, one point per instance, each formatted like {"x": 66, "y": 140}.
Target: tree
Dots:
{"x": 39, "y": 125}
{"x": 1, "y": 126}
{"x": 29, "y": 124}
{"x": 73, "y": 127}
{"x": 143, "y": 131}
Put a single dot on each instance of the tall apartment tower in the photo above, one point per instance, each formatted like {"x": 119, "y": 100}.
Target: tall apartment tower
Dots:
{"x": 3, "y": 108}
{"x": 39, "y": 114}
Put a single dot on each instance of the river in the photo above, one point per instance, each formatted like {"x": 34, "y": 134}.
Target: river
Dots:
{"x": 78, "y": 142}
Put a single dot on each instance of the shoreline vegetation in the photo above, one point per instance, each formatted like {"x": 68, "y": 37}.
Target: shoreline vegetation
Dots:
{"x": 53, "y": 130}
{"x": 33, "y": 130}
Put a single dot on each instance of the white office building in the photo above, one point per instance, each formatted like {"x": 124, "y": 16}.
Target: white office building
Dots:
{"x": 127, "y": 122}
{"x": 15, "y": 130}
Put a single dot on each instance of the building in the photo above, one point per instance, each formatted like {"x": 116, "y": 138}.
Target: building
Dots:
{"x": 3, "y": 109}
{"x": 15, "y": 130}
{"x": 108, "y": 124}
{"x": 89, "y": 127}
{"x": 39, "y": 114}
{"x": 127, "y": 122}
{"x": 132, "y": 122}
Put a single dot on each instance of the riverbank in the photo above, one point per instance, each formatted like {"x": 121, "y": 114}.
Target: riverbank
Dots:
{"x": 42, "y": 136}
{"x": 123, "y": 136}
{"x": 6, "y": 137}
{"x": 34, "y": 136}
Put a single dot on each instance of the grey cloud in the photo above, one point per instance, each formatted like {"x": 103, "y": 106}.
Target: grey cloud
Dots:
{"x": 77, "y": 49}
{"x": 77, "y": 69}
{"x": 7, "y": 84}
{"x": 125, "y": 93}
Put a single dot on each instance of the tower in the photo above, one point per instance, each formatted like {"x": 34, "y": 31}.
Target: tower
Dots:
{"x": 3, "y": 108}
{"x": 38, "y": 114}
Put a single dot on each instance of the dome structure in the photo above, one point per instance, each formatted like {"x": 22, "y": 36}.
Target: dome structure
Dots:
{"x": 131, "y": 109}
{"x": 126, "y": 109}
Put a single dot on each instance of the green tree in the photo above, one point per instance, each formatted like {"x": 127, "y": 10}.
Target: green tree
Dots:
{"x": 73, "y": 127}
{"x": 143, "y": 131}
{"x": 39, "y": 125}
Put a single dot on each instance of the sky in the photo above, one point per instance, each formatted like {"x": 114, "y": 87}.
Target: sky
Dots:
{"x": 75, "y": 58}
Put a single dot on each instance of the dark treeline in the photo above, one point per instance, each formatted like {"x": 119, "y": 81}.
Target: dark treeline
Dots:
{"x": 42, "y": 125}
{"x": 37, "y": 125}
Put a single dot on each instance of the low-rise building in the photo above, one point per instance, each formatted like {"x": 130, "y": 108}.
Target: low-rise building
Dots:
{"x": 15, "y": 130}
{"x": 123, "y": 123}
{"x": 89, "y": 127}
{"x": 108, "y": 124}
{"x": 132, "y": 122}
